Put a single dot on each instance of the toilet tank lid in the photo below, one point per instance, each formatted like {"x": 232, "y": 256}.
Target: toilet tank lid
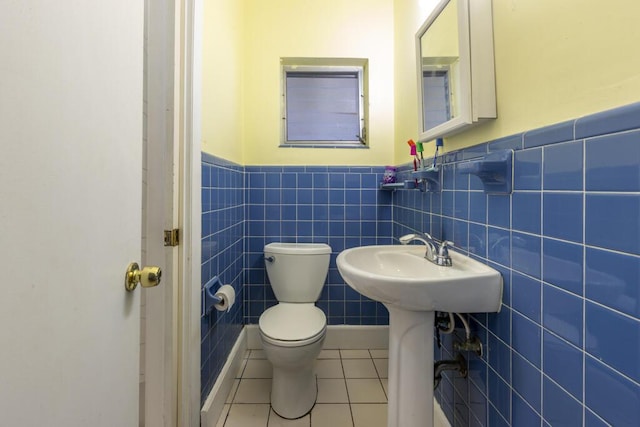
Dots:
{"x": 298, "y": 248}
{"x": 292, "y": 322}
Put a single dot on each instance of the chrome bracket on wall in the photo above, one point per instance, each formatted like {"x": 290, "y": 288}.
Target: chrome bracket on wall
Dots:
{"x": 424, "y": 180}
{"x": 429, "y": 178}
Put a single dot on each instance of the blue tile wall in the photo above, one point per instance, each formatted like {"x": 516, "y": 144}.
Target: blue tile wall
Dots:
{"x": 340, "y": 206}
{"x": 564, "y": 349}
{"x": 222, "y": 245}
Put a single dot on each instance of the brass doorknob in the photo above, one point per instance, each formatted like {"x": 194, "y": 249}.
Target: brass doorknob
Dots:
{"x": 148, "y": 277}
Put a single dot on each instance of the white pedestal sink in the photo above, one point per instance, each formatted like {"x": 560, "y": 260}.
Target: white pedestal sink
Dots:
{"x": 412, "y": 288}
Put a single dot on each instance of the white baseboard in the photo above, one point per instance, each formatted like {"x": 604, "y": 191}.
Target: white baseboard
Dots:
{"x": 439, "y": 418}
{"x": 346, "y": 337}
{"x": 214, "y": 404}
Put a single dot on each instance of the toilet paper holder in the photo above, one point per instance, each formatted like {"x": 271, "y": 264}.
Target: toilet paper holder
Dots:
{"x": 210, "y": 297}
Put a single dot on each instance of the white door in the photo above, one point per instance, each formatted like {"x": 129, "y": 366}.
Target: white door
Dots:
{"x": 71, "y": 77}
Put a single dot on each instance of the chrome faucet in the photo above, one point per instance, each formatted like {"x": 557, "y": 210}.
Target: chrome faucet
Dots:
{"x": 437, "y": 251}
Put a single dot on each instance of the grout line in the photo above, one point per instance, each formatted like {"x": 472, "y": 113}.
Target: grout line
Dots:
{"x": 379, "y": 377}
{"x": 528, "y": 404}
{"x": 344, "y": 377}
{"x": 543, "y": 153}
{"x": 268, "y": 415}
{"x": 606, "y": 307}
{"x": 595, "y": 415}
{"x": 560, "y": 387}
{"x": 584, "y": 283}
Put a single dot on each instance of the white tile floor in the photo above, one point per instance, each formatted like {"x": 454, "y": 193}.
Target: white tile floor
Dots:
{"x": 352, "y": 392}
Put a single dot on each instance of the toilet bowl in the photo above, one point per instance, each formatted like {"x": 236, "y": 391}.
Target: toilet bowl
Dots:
{"x": 293, "y": 331}
{"x": 292, "y": 347}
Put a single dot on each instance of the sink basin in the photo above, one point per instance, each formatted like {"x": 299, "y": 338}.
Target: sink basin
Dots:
{"x": 412, "y": 288}
{"x": 400, "y": 275}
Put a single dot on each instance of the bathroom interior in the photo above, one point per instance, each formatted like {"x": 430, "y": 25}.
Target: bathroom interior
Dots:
{"x": 564, "y": 347}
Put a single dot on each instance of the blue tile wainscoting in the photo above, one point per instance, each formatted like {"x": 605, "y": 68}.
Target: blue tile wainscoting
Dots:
{"x": 244, "y": 208}
{"x": 565, "y": 348}
{"x": 340, "y": 206}
{"x": 223, "y": 221}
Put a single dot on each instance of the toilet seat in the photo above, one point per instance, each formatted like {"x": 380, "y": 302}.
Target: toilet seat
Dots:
{"x": 292, "y": 324}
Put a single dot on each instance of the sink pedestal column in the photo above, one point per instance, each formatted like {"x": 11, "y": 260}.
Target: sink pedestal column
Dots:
{"x": 410, "y": 368}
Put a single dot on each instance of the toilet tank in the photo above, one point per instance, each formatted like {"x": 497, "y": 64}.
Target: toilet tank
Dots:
{"x": 297, "y": 271}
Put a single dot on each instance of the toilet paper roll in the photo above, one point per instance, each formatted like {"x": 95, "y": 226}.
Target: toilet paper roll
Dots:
{"x": 227, "y": 296}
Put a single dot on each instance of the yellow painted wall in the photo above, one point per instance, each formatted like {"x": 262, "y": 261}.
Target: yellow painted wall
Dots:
{"x": 312, "y": 28}
{"x": 555, "y": 61}
{"x": 222, "y": 73}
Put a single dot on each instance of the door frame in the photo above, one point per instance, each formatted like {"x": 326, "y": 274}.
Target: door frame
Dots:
{"x": 173, "y": 346}
{"x": 189, "y": 38}
{"x": 159, "y": 328}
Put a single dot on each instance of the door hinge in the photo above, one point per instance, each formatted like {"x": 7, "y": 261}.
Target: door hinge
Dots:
{"x": 172, "y": 237}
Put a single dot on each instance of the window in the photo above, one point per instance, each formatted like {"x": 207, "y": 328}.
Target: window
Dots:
{"x": 323, "y": 105}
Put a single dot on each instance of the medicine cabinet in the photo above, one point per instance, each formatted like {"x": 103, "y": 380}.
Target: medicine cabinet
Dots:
{"x": 455, "y": 67}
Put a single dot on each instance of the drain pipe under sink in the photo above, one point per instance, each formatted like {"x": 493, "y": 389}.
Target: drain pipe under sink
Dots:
{"x": 458, "y": 364}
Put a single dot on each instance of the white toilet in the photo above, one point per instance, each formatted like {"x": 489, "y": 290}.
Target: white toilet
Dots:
{"x": 293, "y": 331}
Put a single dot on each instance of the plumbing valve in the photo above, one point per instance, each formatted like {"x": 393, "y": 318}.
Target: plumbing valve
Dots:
{"x": 472, "y": 344}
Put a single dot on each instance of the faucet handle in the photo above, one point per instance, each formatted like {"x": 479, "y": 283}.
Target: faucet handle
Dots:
{"x": 443, "y": 258}
{"x": 407, "y": 238}
{"x": 430, "y": 237}
{"x": 444, "y": 247}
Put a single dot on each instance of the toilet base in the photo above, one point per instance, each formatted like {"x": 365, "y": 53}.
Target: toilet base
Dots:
{"x": 294, "y": 387}
{"x": 293, "y": 393}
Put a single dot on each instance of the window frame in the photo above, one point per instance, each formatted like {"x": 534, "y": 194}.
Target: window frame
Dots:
{"x": 320, "y": 66}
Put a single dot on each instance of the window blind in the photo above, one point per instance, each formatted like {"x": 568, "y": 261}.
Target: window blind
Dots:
{"x": 322, "y": 106}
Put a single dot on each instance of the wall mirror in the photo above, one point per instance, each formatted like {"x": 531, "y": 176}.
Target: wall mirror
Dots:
{"x": 455, "y": 67}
